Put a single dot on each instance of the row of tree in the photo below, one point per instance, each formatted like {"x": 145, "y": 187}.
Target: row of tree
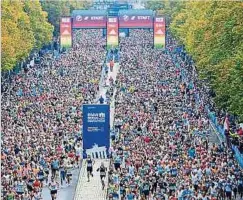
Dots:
{"x": 24, "y": 27}
{"x": 212, "y": 32}
{"x": 57, "y": 9}
{"x": 28, "y": 25}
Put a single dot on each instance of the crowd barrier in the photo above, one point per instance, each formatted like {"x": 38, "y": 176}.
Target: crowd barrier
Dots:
{"x": 238, "y": 155}
{"x": 220, "y": 129}
{"x": 214, "y": 122}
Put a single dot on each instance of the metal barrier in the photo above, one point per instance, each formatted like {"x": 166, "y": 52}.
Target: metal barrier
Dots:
{"x": 238, "y": 155}
{"x": 214, "y": 123}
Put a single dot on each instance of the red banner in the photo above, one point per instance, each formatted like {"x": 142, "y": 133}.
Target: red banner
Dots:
{"x": 80, "y": 21}
{"x": 66, "y": 32}
{"x": 129, "y": 21}
{"x": 112, "y": 32}
{"x": 159, "y": 32}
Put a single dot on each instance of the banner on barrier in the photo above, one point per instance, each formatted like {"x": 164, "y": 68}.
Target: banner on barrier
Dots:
{"x": 159, "y": 32}
{"x": 66, "y": 32}
{"x": 112, "y": 32}
{"x": 96, "y": 130}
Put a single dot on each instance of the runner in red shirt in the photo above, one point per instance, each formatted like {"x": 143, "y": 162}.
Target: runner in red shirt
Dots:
{"x": 111, "y": 65}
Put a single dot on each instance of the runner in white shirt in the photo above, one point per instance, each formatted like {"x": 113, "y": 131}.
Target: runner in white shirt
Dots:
{"x": 53, "y": 186}
{"x": 69, "y": 168}
{"x": 78, "y": 153}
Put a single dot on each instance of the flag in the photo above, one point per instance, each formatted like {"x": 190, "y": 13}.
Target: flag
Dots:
{"x": 226, "y": 123}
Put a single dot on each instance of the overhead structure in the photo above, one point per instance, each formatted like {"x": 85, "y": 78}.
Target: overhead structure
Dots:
{"x": 89, "y": 18}
{"x": 113, "y": 24}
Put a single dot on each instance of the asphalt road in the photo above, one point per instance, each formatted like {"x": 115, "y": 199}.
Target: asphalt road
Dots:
{"x": 65, "y": 193}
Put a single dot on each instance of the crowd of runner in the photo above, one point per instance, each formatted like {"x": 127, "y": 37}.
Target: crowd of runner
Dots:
{"x": 42, "y": 118}
{"x": 162, "y": 149}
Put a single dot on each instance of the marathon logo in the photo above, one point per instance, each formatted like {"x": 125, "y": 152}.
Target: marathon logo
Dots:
{"x": 125, "y": 17}
{"x": 96, "y": 117}
{"x": 79, "y": 18}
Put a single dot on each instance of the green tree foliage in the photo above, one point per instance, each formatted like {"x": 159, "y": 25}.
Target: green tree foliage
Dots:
{"x": 41, "y": 28}
{"x": 165, "y": 7}
{"x": 17, "y": 38}
{"x": 212, "y": 32}
{"x": 155, "y": 5}
{"x": 58, "y": 9}
{"x": 24, "y": 26}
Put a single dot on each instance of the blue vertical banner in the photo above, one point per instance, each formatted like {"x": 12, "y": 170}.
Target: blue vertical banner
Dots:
{"x": 96, "y": 130}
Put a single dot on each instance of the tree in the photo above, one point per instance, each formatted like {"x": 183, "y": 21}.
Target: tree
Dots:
{"x": 41, "y": 28}
{"x": 165, "y": 7}
{"x": 212, "y": 33}
{"x": 155, "y": 5}
{"x": 24, "y": 27}
{"x": 57, "y": 9}
{"x": 17, "y": 36}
